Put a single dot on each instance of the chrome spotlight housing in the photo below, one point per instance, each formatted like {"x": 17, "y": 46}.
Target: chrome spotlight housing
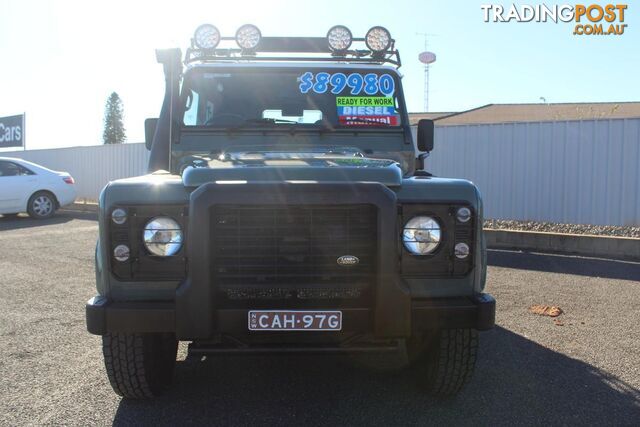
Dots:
{"x": 462, "y": 250}
{"x": 378, "y": 39}
{"x": 463, "y": 214}
{"x": 119, "y": 216}
{"x": 206, "y": 37}
{"x": 248, "y": 37}
{"x": 121, "y": 253}
{"x": 339, "y": 38}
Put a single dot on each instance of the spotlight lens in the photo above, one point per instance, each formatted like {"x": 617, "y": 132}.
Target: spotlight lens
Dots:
{"x": 339, "y": 38}
{"x": 206, "y": 36}
{"x": 378, "y": 39}
{"x": 248, "y": 36}
{"x": 462, "y": 250}
{"x": 121, "y": 253}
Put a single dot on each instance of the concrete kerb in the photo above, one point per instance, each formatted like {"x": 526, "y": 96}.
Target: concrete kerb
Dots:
{"x": 578, "y": 244}
{"x": 81, "y": 207}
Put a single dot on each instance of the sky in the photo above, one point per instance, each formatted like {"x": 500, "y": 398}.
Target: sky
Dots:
{"x": 60, "y": 60}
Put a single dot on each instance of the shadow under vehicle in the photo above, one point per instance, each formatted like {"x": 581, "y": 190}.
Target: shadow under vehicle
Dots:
{"x": 286, "y": 211}
{"x": 518, "y": 382}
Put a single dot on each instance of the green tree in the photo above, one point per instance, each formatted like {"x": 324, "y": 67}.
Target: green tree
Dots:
{"x": 114, "y": 132}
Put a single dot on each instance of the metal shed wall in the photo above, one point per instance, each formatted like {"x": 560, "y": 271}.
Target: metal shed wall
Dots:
{"x": 584, "y": 172}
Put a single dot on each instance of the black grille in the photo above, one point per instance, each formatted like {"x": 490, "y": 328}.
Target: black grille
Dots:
{"x": 292, "y": 251}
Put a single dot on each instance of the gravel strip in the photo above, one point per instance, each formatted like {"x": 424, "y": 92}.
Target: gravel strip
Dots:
{"x": 552, "y": 227}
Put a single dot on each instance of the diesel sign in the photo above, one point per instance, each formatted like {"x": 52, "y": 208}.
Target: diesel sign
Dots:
{"x": 12, "y": 131}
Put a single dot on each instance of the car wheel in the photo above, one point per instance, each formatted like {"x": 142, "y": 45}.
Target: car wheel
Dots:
{"x": 447, "y": 360}
{"x": 42, "y": 205}
{"x": 139, "y": 366}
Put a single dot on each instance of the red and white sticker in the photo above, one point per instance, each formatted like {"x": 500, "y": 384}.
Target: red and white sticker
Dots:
{"x": 368, "y": 120}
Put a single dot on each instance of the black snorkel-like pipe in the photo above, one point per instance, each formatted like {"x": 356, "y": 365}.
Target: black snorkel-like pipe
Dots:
{"x": 160, "y": 157}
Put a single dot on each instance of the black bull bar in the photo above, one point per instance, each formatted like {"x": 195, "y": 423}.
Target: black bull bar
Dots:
{"x": 198, "y": 317}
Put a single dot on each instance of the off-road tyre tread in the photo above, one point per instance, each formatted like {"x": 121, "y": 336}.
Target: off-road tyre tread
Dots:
{"x": 452, "y": 362}
{"x": 135, "y": 371}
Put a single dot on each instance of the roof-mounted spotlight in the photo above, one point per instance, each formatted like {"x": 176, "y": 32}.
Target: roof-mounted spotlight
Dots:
{"x": 248, "y": 37}
{"x": 378, "y": 39}
{"x": 206, "y": 36}
{"x": 339, "y": 38}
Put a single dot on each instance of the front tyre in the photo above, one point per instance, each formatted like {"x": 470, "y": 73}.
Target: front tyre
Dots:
{"x": 41, "y": 205}
{"x": 449, "y": 360}
{"x": 139, "y": 366}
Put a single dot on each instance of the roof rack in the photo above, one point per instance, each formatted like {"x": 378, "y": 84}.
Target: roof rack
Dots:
{"x": 251, "y": 46}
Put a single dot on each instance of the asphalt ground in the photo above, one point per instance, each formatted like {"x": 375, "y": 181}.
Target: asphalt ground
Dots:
{"x": 530, "y": 371}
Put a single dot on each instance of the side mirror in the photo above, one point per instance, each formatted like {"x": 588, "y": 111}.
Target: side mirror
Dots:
{"x": 425, "y": 135}
{"x": 149, "y": 131}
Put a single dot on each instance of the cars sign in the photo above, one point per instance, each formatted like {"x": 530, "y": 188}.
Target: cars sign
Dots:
{"x": 12, "y": 131}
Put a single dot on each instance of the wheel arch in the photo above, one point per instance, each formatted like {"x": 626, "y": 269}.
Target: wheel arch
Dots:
{"x": 42, "y": 190}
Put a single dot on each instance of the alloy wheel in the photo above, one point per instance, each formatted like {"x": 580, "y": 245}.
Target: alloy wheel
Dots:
{"x": 42, "y": 205}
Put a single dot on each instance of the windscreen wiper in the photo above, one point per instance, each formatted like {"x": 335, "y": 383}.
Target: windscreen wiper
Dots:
{"x": 269, "y": 121}
{"x": 266, "y": 121}
{"x": 294, "y": 125}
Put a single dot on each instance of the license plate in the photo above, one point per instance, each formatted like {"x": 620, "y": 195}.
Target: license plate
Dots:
{"x": 292, "y": 320}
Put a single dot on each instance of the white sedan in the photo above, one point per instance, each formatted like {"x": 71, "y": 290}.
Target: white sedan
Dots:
{"x": 27, "y": 187}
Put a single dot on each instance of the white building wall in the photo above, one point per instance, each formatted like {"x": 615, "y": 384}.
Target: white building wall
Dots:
{"x": 92, "y": 167}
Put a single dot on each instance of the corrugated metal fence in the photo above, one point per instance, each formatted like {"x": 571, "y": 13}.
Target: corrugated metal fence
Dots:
{"x": 92, "y": 167}
{"x": 574, "y": 172}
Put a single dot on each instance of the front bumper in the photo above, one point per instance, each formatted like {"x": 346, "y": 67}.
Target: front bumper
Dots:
{"x": 104, "y": 316}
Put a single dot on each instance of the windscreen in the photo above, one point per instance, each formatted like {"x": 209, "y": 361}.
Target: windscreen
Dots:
{"x": 338, "y": 98}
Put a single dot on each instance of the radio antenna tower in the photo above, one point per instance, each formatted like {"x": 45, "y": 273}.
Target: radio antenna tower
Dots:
{"x": 426, "y": 58}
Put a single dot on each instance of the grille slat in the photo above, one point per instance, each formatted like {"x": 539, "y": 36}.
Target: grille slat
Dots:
{"x": 295, "y": 247}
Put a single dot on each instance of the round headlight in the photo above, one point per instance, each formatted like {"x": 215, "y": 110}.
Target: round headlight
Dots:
{"x": 162, "y": 236}
{"x": 119, "y": 216}
{"x": 463, "y": 214}
{"x": 461, "y": 250}
{"x": 378, "y": 39}
{"x": 421, "y": 235}
{"x": 121, "y": 253}
{"x": 206, "y": 36}
{"x": 339, "y": 38}
{"x": 248, "y": 36}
